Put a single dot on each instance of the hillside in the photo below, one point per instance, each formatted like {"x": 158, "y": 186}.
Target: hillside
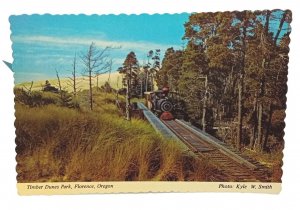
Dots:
{"x": 56, "y": 143}
{"x": 83, "y": 82}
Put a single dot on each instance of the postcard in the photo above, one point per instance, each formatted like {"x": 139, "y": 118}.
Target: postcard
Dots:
{"x": 191, "y": 102}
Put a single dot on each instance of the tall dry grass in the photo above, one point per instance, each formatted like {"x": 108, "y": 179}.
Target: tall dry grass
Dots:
{"x": 61, "y": 144}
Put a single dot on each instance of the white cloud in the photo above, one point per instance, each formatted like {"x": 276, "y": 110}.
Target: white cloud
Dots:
{"x": 59, "y": 41}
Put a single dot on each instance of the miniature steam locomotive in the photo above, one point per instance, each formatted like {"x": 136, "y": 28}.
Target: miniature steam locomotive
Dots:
{"x": 164, "y": 101}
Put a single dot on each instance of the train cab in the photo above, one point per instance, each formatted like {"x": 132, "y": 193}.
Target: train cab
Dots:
{"x": 148, "y": 99}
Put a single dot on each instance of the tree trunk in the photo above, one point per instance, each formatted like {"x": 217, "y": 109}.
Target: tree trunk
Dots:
{"x": 240, "y": 112}
{"x": 142, "y": 88}
{"x": 258, "y": 143}
{"x": 203, "y": 116}
{"x": 204, "y": 107}
{"x": 268, "y": 14}
{"x": 152, "y": 82}
{"x": 146, "y": 85}
{"x": 74, "y": 77}
{"x": 59, "y": 85}
{"x": 97, "y": 82}
{"x": 241, "y": 92}
{"x": 128, "y": 108}
{"x": 91, "y": 93}
{"x": 265, "y": 140}
{"x": 74, "y": 85}
{"x": 280, "y": 27}
{"x": 128, "y": 117}
{"x": 253, "y": 137}
{"x": 254, "y": 128}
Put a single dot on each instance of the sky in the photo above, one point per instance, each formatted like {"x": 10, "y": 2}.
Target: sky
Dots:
{"x": 44, "y": 43}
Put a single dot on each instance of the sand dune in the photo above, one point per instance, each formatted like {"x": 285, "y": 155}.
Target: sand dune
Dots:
{"x": 115, "y": 80}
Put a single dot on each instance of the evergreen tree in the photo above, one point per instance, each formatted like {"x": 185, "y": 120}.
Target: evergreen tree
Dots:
{"x": 130, "y": 69}
{"x": 242, "y": 57}
{"x": 170, "y": 72}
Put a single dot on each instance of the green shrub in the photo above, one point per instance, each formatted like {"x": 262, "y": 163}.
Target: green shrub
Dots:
{"x": 42, "y": 98}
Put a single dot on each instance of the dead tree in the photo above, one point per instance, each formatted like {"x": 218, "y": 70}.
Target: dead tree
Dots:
{"x": 29, "y": 89}
{"x": 96, "y": 62}
{"x": 73, "y": 80}
{"x": 59, "y": 85}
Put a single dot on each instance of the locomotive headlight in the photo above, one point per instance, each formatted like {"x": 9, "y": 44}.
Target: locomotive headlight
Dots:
{"x": 165, "y": 105}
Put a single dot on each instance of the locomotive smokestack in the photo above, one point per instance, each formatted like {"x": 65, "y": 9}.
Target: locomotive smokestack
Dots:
{"x": 166, "y": 90}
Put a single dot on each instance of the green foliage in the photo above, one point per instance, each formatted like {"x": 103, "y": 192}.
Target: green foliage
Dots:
{"x": 140, "y": 78}
{"x": 130, "y": 70}
{"x": 190, "y": 85}
{"x": 169, "y": 73}
{"x": 234, "y": 49}
{"x": 107, "y": 88}
{"x": 41, "y": 98}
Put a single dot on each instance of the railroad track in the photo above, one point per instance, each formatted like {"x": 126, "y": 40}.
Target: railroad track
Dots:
{"x": 232, "y": 165}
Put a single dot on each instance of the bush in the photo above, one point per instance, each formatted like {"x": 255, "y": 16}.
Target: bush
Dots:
{"x": 42, "y": 98}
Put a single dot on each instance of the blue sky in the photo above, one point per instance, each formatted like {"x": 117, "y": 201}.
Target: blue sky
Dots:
{"x": 43, "y": 43}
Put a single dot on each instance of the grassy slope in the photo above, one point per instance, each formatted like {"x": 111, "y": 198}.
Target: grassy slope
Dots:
{"x": 60, "y": 144}
{"x": 115, "y": 82}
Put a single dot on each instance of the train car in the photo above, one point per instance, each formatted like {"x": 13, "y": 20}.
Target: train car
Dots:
{"x": 164, "y": 101}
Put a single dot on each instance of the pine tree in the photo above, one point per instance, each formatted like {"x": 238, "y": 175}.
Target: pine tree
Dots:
{"x": 130, "y": 69}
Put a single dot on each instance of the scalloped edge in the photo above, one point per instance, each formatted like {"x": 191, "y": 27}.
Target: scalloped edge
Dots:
{"x": 10, "y": 66}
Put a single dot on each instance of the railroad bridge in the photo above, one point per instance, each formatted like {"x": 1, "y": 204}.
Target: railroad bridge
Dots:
{"x": 233, "y": 165}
